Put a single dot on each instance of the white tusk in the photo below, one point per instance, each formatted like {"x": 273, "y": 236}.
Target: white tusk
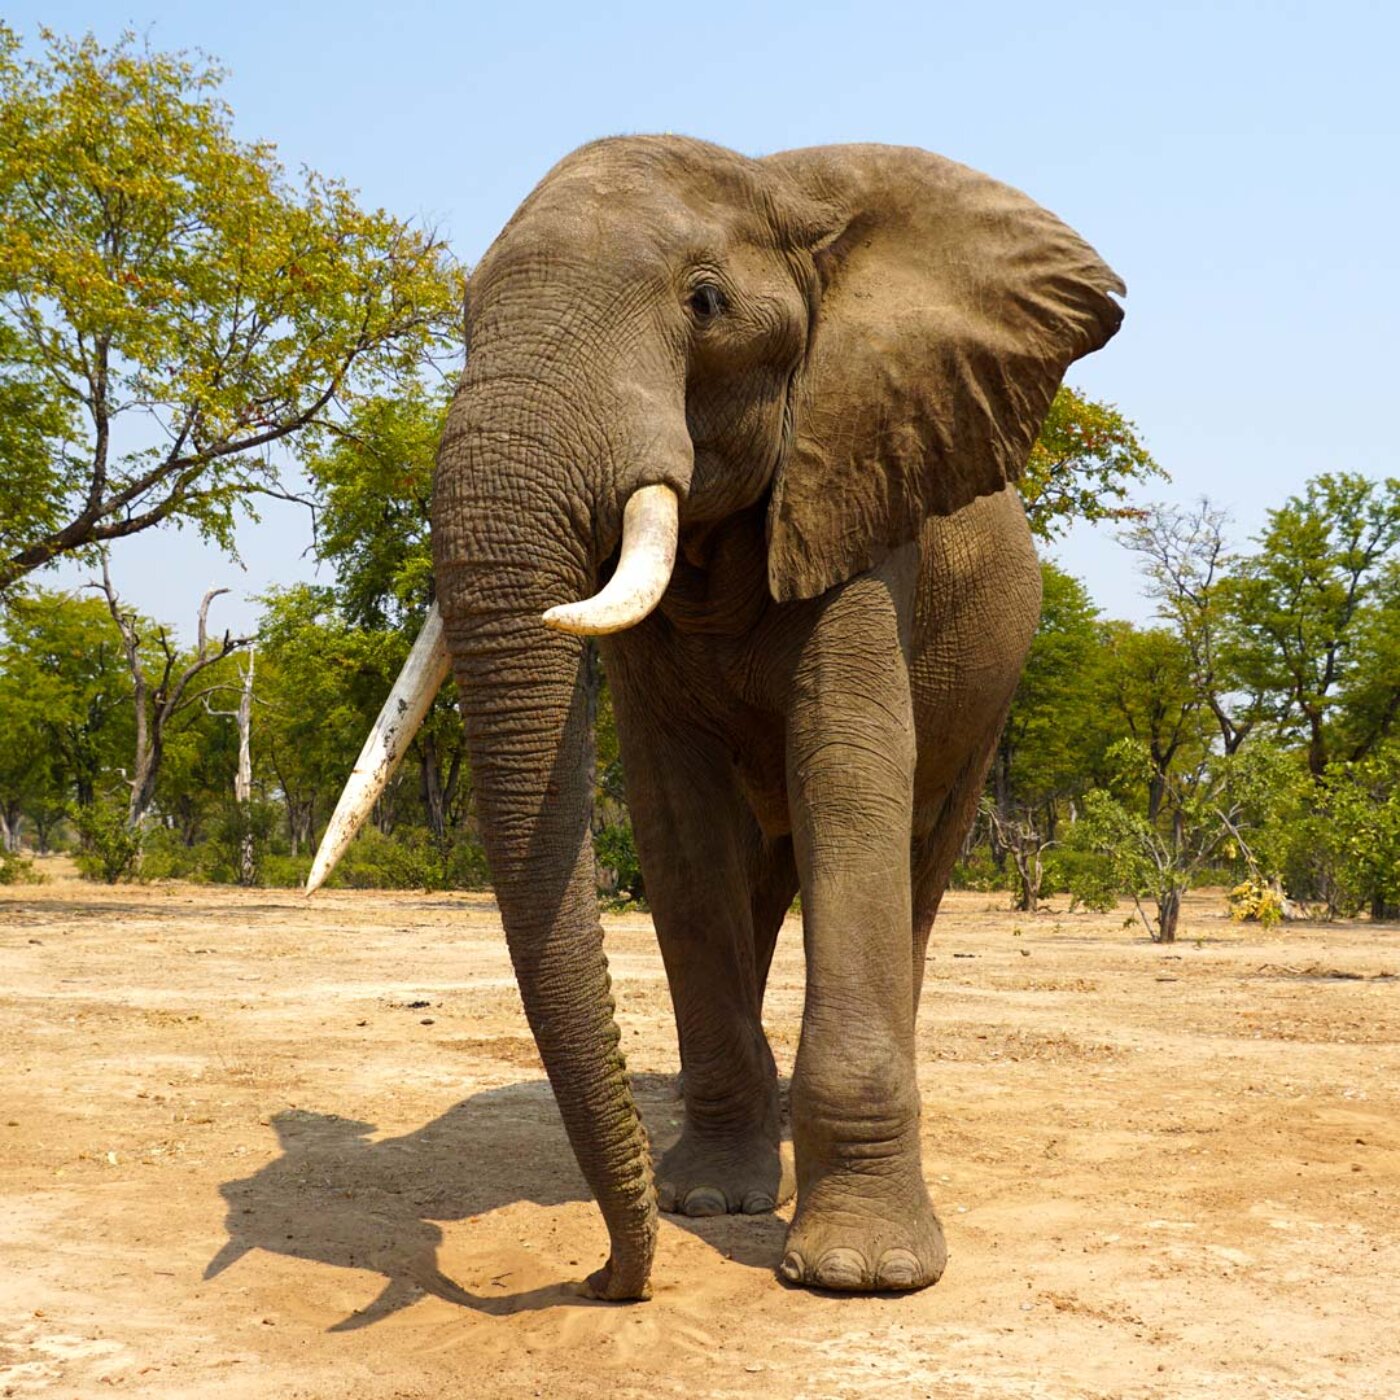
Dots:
{"x": 649, "y": 528}
{"x": 419, "y": 681}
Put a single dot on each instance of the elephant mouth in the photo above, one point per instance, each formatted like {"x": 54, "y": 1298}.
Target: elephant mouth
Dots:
{"x": 650, "y": 528}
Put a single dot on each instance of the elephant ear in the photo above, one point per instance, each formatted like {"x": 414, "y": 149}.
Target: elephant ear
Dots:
{"x": 950, "y": 308}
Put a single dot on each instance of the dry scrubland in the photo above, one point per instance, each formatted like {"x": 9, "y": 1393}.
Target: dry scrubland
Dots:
{"x": 258, "y": 1149}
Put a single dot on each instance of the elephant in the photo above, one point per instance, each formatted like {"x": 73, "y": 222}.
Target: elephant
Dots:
{"x": 764, "y": 417}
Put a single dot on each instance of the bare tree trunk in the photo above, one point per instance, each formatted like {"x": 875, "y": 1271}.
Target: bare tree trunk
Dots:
{"x": 243, "y": 783}
{"x": 9, "y": 829}
{"x": 157, "y": 704}
{"x": 1168, "y": 914}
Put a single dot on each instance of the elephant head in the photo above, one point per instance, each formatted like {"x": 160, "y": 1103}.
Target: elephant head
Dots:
{"x": 666, "y": 333}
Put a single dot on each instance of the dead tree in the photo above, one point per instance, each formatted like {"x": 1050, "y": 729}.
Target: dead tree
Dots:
{"x": 243, "y": 779}
{"x": 159, "y": 698}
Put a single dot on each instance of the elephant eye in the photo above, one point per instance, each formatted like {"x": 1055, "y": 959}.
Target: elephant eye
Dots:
{"x": 706, "y": 301}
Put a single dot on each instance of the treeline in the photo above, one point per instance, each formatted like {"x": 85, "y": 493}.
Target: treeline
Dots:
{"x": 1250, "y": 737}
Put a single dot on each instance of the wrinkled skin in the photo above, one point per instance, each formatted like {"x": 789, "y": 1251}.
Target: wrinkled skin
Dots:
{"x": 838, "y": 359}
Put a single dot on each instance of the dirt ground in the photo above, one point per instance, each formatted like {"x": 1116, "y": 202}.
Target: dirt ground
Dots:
{"x": 251, "y": 1147}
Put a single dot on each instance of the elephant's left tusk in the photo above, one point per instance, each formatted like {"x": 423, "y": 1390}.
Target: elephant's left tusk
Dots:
{"x": 419, "y": 681}
{"x": 650, "y": 524}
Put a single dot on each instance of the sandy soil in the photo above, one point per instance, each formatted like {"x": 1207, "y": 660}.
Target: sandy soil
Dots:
{"x": 251, "y": 1148}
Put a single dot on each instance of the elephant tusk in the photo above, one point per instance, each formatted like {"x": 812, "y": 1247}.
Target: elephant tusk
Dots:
{"x": 419, "y": 681}
{"x": 650, "y": 524}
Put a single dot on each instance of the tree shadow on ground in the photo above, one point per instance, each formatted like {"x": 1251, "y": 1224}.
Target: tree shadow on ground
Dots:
{"x": 336, "y": 1197}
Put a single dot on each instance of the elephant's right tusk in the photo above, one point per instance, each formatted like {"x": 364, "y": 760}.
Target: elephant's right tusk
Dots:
{"x": 650, "y": 524}
{"x": 419, "y": 681}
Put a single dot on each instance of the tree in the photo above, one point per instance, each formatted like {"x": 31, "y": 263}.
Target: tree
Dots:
{"x": 243, "y": 777}
{"x": 65, "y": 679}
{"x": 1054, "y": 726}
{"x": 374, "y": 477}
{"x": 173, "y": 305}
{"x": 321, "y": 682}
{"x": 1207, "y": 811}
{"x": 1299, "y": 606}
{"x": 1345, "y": 841}
{"x": 1185, "y": 557}
{"x": 1082, "y": 466}
{"x": 1149, "y": 685}
{"x": 161, "y": 681}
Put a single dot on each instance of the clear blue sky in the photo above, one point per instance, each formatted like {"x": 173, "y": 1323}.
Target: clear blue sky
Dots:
{"x": 1238, "y": 163}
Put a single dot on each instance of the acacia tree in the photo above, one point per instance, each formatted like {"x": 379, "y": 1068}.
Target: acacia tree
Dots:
{"x": 161, "y": 680}
{"x": 172, "y": 305}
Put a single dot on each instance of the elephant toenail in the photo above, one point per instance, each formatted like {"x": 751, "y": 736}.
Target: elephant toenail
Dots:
{"x": 899, "y": 1268}
{"x": 792, "y": 1268}
{"x": 756, "y": 1202}
{"x": 705, "y": 1200}
{"x": 841, "y": 1268}
{"x": 665, "y": 1196}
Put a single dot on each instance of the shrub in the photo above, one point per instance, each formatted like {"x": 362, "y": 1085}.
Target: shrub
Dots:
{"x": 110, "y": 848}
{"x": 1253, "y": 902}
{"x": 619, "y": 866}
{"x": 284, "y": 872}
{"x": 164, "y": 856}
{"x": 978, "y": 871}
{"x": 408, "y": 860}
{"x": 240, "y": 824}
{"x": 16, "y": 870}
{"x": 465, "y": 866}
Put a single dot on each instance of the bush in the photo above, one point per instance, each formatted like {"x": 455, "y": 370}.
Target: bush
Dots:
{"x": 408, "y": 860}
{"x": 465, "y": 866}
{"x": 619, "y": 866}
{"x": 110, "y": 850}
{"x": 283, "y": 872}
{"x": 16, "y": 870}
{"x": 978, "y": 871}
{"x": 164, "y": 856}
{"x": 240, "y": 822}
{"x": 1084, "y": 875}
{"x": 1255, "y": 903}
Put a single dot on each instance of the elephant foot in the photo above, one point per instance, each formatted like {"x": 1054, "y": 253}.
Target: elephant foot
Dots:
{"x": 856, "y": 1239}
{"x": 706, "y": 1176}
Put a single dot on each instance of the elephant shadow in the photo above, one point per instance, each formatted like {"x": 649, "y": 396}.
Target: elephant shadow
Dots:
{"x": 336, "y": 1197}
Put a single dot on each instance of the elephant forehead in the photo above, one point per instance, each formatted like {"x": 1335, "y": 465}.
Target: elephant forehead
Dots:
{"x": 630, "y": 235}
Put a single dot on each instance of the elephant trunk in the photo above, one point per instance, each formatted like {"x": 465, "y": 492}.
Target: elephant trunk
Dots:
{"x": 528, "y": 702}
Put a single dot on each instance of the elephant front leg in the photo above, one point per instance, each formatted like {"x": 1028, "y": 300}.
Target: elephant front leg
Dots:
{"x": 864, "y": 1219}
{"x": 695, "y": 834}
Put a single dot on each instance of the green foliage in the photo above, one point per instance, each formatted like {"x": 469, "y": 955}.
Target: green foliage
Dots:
{"x": 165, "y": 856}
{"x": 111, "y": 850}
{"x": 16, "y": 870}
{"x": 1317, "y": 603}
{"x": 1083, "y": 465}
{"x": 373, "y": 861}
{"x": 615, "y": 849}
{"x": 162, "y": 282}
{"x": 65, "y": 698}
{"x": 374, "y": 475}
{"x": 241, "y": 824}
{"x": 1208, "y": 810}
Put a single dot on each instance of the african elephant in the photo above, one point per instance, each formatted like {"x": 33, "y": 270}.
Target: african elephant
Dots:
{"x": 776, "y": 408}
